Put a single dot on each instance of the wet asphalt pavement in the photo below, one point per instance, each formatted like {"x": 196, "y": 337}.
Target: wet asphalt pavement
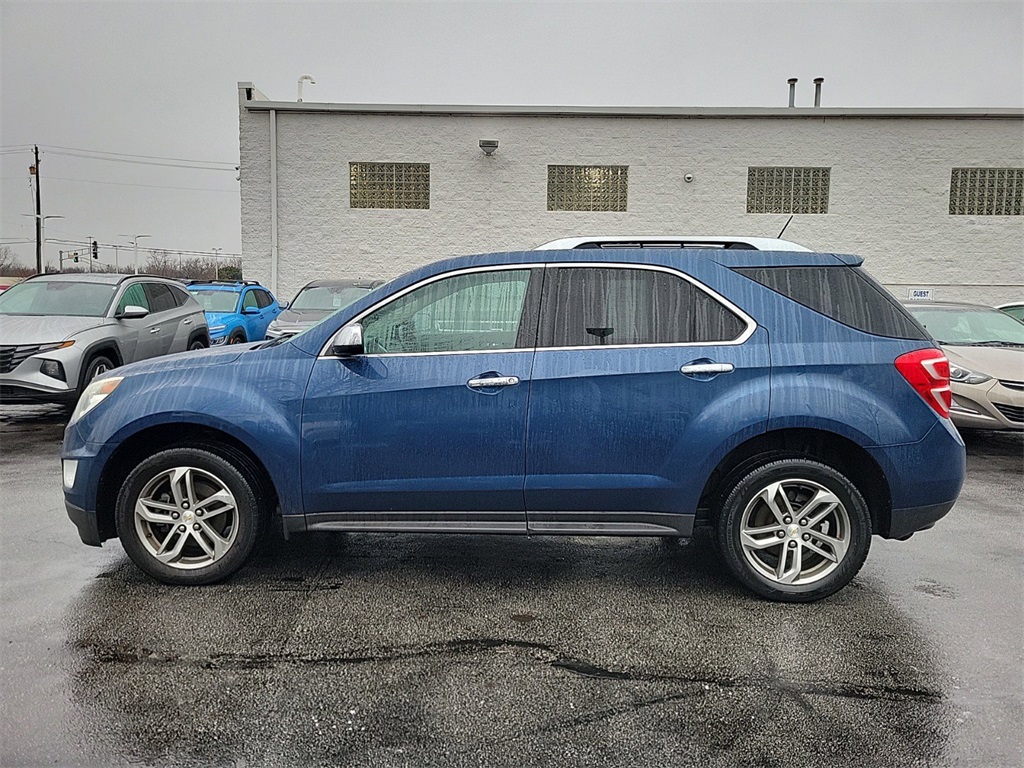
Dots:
{"x": 402, "y": 650}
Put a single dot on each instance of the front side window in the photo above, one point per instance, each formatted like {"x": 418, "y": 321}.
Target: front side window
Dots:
{"x": 595, "y": 306}
{"x": 249, "y": 300}
{"x": 473, "y": 312}
{"x": 263, "y": 298}
{"x": 133, "y": 296}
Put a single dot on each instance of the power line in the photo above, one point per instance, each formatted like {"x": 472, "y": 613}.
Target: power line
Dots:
{"x": 151, "y": 249}
{"x": 149, "y": 186}
{"x": 141, "y": 162}
{"x": 148, "y": 157}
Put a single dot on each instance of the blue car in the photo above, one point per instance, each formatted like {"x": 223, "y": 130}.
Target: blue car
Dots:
{"x": 236, "y": 312}
{"x": 783, "y": 400}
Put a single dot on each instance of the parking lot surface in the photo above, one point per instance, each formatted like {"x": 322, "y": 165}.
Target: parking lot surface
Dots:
{"x": 402, "y": 650}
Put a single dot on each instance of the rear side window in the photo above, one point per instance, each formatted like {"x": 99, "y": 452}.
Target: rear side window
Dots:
{"x": 848, "y": 295}
{"x": 593, "y": 306}
{"x": 160, "y": 297}
{"x": 180, "y": 296}
{"x": 263, "y": 298}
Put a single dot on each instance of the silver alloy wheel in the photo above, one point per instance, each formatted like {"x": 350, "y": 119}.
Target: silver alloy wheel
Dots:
{"x": 795, "y": 532}
{"x": 186, "y": 518}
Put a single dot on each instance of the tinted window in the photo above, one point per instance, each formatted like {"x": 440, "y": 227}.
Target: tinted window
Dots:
{"x": 133, "y": 296}
{"x": 249, "y": 300}
{"x": 589, "y": 306}
{"x": 160, "y": 297}
{"x": 846, "y": 294}
{"x": 263, "y": 299}
{"x": 180, "y": 295}
{"x": 478, "y": 311}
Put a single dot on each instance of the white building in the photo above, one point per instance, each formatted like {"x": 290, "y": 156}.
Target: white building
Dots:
{"x": 932, "y": 198}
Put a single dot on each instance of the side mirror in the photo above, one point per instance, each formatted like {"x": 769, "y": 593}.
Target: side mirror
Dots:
{"x": 251, "y": 311}
{"x": 348, "y": 341}
{"x": 132, "y": 312}
{"x": 282, "y": 304}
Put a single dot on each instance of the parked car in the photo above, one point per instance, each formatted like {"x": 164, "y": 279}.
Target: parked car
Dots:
{"x": 60, "y": 331}
{"x": 730, "y": 242}
{"x": 1014, "y": 310}
{"x": 237, "y": 311}
{"x": 315, "y": 301}
{"x": 785, "y": 400}
{"x": 985, "y": 348}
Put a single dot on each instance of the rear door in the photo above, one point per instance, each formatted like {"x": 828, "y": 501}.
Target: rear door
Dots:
{"x": 166, "y": 317}
{"x": 638, "y": 370}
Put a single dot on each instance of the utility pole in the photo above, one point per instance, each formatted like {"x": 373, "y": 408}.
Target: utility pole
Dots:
{"x": 34, "y": 171}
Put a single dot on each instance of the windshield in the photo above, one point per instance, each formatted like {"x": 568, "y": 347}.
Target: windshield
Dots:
{"x": 971, "y": 327}
{"x": 328, "y": 297}
{"x": 57, "y": 297}
{"x": 215, "y": 301}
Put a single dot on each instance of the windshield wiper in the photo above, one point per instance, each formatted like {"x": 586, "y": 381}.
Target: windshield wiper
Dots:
{"x": 997, "y": 343}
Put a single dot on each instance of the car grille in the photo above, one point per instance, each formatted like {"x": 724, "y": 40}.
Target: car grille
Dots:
{"x": 11, "y": 357}
{"x": 1012, "y": 384}
{"x": 1011, "y": 412}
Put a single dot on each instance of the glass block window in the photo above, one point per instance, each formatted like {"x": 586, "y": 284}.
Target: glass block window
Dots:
{"x": 986, "y": 191}
{"x": 587, "y": 187}
{"x": 389, "y": 185}
{"x": 787, "y": 190}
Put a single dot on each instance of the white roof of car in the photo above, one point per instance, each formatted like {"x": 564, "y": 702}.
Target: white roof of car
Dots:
{"x": 672, "y": 241}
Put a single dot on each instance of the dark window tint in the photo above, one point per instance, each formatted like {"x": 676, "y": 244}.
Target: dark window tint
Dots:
{"x": 589, "y": 306}
{"x": 160, "y": 297}
{"x": 846, "y": 294}
{"x": 180, "y": 296}
{"x": 263, "y": 299}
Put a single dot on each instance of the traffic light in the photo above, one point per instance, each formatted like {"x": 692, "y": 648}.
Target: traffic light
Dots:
{"x": 95, "y": 249}
{"x": 75, "y": 258}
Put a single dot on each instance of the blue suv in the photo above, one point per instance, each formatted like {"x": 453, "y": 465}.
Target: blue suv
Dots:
{"x": 236, "y": 312}
{"x": 784, "y": 400}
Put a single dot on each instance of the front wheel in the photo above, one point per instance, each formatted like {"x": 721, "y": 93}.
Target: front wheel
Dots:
{"x": 794, "y": 530}
{"x": 188, "y": 516}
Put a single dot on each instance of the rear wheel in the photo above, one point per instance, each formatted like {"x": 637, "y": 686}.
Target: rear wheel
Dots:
{"x": 794, "y": 530}
{"x": 198, "y": 343}
{"x": 189, "y": 516}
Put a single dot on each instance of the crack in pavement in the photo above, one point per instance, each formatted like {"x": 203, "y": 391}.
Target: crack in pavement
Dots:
{"x": 112, "y": 654}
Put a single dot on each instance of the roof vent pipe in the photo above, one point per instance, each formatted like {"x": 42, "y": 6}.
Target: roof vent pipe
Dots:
{"x": 305, "y": 77}
{"x": 817, "y": 90}
{"x": 792, "y": 91}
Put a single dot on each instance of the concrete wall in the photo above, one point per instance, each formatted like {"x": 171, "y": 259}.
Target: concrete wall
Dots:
{"x": 889, "y": 196}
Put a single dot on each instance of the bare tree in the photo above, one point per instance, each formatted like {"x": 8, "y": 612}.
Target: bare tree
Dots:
{"x": 10, "y": 266}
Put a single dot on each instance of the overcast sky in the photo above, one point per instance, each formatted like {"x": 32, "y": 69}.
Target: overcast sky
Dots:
{"x": 159, "y": 80}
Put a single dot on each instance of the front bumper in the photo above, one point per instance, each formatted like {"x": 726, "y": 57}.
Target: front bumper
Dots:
{"x": 991, "y": 405}
{"x": 85, "y": 521}
{"x": 11, "y": 394}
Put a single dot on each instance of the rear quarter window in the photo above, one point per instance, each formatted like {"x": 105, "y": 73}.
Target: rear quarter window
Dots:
{"x": 848, "y": 295}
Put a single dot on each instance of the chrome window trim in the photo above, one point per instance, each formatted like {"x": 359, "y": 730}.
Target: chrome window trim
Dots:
{"x": 751, "y": 324}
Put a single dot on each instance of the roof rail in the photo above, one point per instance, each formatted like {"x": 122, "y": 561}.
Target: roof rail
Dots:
{"x": 195, "y": 281}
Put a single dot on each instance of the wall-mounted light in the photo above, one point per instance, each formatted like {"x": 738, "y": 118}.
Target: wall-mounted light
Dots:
{"x": 488, "y": 146}
{"x": 688, "y": 178}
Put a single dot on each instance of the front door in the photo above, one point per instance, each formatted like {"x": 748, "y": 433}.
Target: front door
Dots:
{"x": 638, "y": 371}
{"x": 426, "y": 431}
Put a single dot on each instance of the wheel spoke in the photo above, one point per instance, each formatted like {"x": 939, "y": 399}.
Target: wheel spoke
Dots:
{"x": 810, "y": 509}
{"x": 175, "y": 553}
{"x": 220, "y": 544}
{"x": 769, "y": 496}
{"x": 790, "y": 574}
{"x": 155, "y": 511}
{"x": 762, "y": 537}
{"x": 177, "y": 481}
{"x": 824, "y": 553}
{"x": 226, "y": 500}
{"x": 838, "y": 545}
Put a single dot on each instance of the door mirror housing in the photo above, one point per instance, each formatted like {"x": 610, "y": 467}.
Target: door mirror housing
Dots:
{"x": 282, "y": 304}
{"x": 251, "y": 311}
{"x": 132, "y": 312}
{"x": 348, "y": 341}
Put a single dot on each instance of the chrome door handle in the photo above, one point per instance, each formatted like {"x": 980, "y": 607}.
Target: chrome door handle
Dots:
{"x": 495, "y": 381}
{"x": 187, "y": 321}
{"x": 154, "y": 330}
{"x": 698, "y": 368}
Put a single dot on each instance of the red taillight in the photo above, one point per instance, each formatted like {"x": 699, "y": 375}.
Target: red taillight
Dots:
{"x": 927, "y": 371}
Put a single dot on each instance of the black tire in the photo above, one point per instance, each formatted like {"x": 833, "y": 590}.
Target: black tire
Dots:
{"x": 237, "y": 337}
{"x": 194, "y": 566}
{"x": 197, "y": 343}
{"x": 799, "y": 480}
{"x": 97, "y": 365}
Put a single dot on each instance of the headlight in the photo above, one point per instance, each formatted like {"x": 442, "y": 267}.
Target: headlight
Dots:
{"x": 93, "y": 395}
{"x": 964, "y": 376}
{"x": 55, "y": 345}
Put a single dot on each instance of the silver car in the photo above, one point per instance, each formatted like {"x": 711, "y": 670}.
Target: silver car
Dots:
{"x": 58, "y": 332}
{"x": 317, "y": 300}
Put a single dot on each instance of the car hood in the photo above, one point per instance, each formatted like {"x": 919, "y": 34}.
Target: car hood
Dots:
{"x": 1005, "y": 363}
{"x": 200, "y": 359}
{"x": 220, "y": 318}
{"x": 303, "y": 316}
{"x": 21, "y": 330}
